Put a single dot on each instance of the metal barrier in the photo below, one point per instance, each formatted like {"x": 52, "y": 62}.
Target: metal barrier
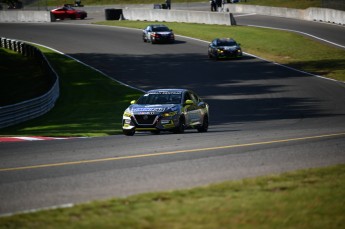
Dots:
{"x": 29, "y": 109}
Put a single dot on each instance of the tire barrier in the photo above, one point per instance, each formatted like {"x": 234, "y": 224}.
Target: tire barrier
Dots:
{"x": 33, "y": 108}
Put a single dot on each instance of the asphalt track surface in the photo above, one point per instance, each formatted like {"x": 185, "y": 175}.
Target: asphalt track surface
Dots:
{"x": 265, "y": 118}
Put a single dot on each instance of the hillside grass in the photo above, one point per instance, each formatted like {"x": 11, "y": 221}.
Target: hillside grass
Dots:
{"x": 295, "y": 4}
{"x": 307, "y": 199}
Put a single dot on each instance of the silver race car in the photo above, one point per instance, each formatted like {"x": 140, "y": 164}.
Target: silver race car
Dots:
{"x": 158, "y": 34}
{"x": 166, "y": 110}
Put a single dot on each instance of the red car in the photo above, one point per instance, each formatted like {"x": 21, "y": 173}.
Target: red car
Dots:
{"x": 68, "y": 12}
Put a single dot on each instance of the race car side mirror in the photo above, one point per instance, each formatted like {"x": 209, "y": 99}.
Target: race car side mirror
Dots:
{"x": 189, "y": 102}
{"x": 133, "y": 102}
{"x": 202, "y": 104}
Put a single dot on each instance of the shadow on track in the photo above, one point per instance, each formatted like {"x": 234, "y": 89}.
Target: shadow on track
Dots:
{"x": 241, "y": 90}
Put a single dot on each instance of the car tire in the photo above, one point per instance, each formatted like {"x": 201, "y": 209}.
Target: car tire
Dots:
{"x": 181, "y": 126}
{"x": 129, "y": 132}
{"x": 204, "y": 126}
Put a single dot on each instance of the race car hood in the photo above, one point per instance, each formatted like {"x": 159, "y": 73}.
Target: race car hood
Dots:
{"x": 153, "y": 109}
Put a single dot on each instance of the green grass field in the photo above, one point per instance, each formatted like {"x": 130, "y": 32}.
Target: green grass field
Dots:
{"x": 296, "y": 4}
{"x": 308, "y": 199}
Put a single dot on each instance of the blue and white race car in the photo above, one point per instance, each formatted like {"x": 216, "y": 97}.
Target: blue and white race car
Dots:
{"x": 166, "y": 110}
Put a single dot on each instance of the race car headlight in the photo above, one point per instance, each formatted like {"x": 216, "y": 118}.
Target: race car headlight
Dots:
{"x": 127, "y": 114}
{"x": 169, "y": 114}
{"x": 220, "y": 50}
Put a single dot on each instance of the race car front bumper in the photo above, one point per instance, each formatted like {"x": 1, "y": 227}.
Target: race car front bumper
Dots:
{"x": 149, "y": 122}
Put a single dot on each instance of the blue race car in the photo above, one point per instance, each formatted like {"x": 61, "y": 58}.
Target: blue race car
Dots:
{"x": 166, "y": 110}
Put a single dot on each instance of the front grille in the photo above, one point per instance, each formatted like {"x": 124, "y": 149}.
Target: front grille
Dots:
{"x": 145, "y": 119}
{"x": 230, "y": 52}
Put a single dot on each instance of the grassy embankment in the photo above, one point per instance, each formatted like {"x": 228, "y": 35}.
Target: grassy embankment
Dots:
{"x": 90, "y": 104}
{"x": 300, "y": 200}
{"x": 296, "y": 4}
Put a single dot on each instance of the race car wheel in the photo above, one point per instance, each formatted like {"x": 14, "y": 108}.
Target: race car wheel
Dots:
{"x": 129, "y": 132}
{"x": 181, "y": 126}
{"x": 204, "y": 126}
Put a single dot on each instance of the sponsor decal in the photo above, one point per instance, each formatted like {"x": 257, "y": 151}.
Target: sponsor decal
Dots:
{"x": 143, "y": 110}
{"x": 165, "y": 93}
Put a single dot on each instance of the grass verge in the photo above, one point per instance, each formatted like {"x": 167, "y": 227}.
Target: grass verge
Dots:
{"x": 307, "y": 199}
{"x": 90, "y": 104}
{"x": 287, "y": 48}
{"x": 296, "y": 4}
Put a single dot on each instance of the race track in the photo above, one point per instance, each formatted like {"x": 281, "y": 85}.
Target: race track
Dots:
{"x": 265, "y": 119}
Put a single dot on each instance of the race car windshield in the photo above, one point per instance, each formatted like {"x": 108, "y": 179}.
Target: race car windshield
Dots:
{"x": 227, "y": 43}
{"x": 160, "y": 29}
{"x": 160, "y": 99}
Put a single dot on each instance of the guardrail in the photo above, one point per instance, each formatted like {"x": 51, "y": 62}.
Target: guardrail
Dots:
{"x": 29, "y": 109}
